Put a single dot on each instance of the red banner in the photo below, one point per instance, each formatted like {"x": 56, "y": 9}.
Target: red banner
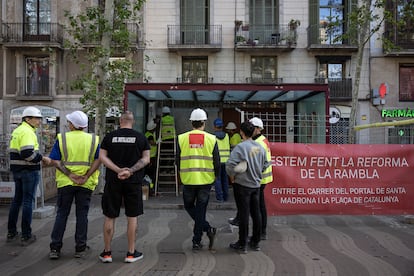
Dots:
{"x": 341, "y": 179}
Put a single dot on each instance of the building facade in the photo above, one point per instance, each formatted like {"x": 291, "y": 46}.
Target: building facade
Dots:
{"x": 252, "y": 42}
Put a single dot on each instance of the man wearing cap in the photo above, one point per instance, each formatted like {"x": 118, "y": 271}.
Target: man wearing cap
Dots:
{"x": 246, "y": 185}
{"x": 25, "y": 165}
{"x": 198, "y": 162}
{"x": 222, "y": 183}
{"x": 267, "y": 176}
{"x": 152, "y": 140}
{"x": 76, "y": 157}
{"x": 235, "y": 137}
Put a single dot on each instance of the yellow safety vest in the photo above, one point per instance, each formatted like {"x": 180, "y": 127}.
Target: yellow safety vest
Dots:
{"x": 224, "y": 148}
{"x": 234, "y": 140}
{"x": 153, "y": 148}
{"x": 23, "y": 137}
{"x": 167, "y": 127}
{"x": 196, "y": 157}
{"x": 267, "y": 175}
{"x": 78, "y": 151}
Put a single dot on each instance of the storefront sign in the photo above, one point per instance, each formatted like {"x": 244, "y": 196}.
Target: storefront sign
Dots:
{"x": 397, "y": 113}
{"x": 341, "y": 179}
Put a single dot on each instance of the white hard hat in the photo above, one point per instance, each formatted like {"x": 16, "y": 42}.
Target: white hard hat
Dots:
{"x": 166, "y": 109}
{"x": 151, "y": 125}
{"x": 231, "y": 126}
{"x": 241, "y": 167}
{"x": 257, "y": 122}
{"x": 32, "y": 111}
{"x": 198, "y": 115}
{"x": 78, "y": 119}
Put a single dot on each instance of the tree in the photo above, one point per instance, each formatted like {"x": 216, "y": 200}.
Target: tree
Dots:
{"x": 363, "y": 22}
{"x": 107, "y": 27}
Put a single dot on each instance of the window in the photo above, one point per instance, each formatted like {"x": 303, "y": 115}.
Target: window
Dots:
{"x": 37, "y": 17}
{"x": 37, "y": 76}
{"x": 263, "y": 19}
{"x": 263, "y": 69}
{"x": 195, "y": 20}
{"x": 328, "y": 20}
{"x": 401, "y": 135}
{"x": 402, "y": 33}
{"x": 406, "y": 91}
{"x": 332, "y": 70}
{"x": 195, "y": 69}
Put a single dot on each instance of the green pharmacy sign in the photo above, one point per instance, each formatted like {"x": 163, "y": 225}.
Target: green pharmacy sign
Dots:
{"x": 397, "y": 113}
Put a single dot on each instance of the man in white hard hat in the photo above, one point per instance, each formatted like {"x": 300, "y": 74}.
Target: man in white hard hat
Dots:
{"x": 246, "y": 186}
{"x": 198, "y": 162}
{"x": 76, "y": 157}
{"x": 25, "y": 162}
{"x": 235, "y": 137}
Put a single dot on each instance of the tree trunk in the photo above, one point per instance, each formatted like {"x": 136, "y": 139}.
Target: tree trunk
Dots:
{"x": 362, "y": 41}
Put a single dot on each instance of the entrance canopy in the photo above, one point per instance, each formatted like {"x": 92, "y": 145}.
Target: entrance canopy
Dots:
{"x": 225, "y": 93}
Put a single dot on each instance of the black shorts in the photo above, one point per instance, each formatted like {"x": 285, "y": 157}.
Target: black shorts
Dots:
{"x": 115, "y": 192}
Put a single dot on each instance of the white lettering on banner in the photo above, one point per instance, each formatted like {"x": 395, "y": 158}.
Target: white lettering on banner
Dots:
{"x": 297, "y": 200}
{"x": 335, "y": 161}
{"x": 339, "y": 174}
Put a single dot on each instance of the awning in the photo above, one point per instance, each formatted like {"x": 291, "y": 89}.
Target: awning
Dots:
{"x": 226, "y": 93}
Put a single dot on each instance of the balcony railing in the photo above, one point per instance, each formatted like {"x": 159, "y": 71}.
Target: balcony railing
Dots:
{"x": 329, "y": 37}
{"x": 34, "y": 87}
{"x": 265, "y": 35}
{"x": 135, "y": 36}
{"x": 194, "y": 35}
{"x": 264, "y": 80}
{"x": 195, "y": 80}
{"x": 32, "y": 32}
{"x": 339, "y": 88}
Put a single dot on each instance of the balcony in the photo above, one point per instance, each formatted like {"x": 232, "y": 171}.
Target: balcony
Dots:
{"x": 32, "y": 34}
{"x": 92, "y": 39}
{"x": 265, "y": 80}
{"x": 322, "y": 38}
{"x": 339, "y": 88}
{"x": 39, "y": 89}
{"x": 205, "y": 38}
{"x": 261, "y": 38}
{"x": 195, "y": 80}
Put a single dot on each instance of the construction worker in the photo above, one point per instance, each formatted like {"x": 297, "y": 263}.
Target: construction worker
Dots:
{"x": 235, "y": 137}
{"x": 76, "y": 157}
{"x": 167, "y": 137}
{"x": 198, "y": 162}
{"x": 267, "y": 176}
{"x": 167, "y": 124}
{"x": 222, "y": 183}
{"x": 25, "y": 165}
{"x": 152, "y": 140}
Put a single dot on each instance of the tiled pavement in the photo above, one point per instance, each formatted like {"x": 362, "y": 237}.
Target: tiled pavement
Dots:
{"x": 296, "y": 245}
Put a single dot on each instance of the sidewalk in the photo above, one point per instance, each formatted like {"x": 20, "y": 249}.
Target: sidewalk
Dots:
{"x": 296, "y": 245}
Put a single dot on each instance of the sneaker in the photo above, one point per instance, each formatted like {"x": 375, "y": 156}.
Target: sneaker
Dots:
{"x": 82, "y": 253}
{"x": 234, "y": 221}
{"x": 133, "y": 257}
{"x": 263, "y": 236}
{"x": 11, "y": 237}
{"x": 105, "y": 257}
{"x": 27, "y": 241}
{"x": 239, "y": 248}
{"x": 197, "y": 246}
{"x": 54, "y": 254}
{"x": 254, "y": 246}
{"x": 211, "y": 234}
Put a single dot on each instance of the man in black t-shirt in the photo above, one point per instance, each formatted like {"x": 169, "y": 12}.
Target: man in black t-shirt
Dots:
{"x": 125, "y": 153}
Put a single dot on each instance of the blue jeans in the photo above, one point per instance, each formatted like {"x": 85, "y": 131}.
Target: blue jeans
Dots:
{"x": 195, "y": 203}
{"x": 222, "y": 184}
{"x": 247, "y": 201}
{"x": 65, "y": 198}
{"x": 26, "y": 182}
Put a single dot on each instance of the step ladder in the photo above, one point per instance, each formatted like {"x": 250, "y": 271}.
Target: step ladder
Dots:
{"x": 166, "y": 181}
